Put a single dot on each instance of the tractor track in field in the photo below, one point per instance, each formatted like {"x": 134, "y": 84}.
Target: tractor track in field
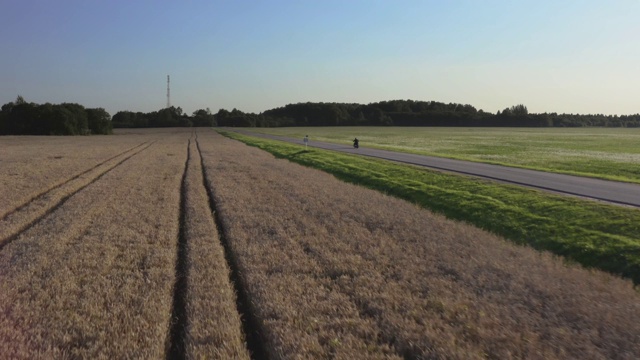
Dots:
{"x": 176, "y": 342}
{"x": 60, "y": 184}
{"x": 251, "y": 327}
{"x": 36, "y": 212}
{"x": 176, "y": 348}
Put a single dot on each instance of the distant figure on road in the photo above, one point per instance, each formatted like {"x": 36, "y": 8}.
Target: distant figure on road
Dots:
{"x": 306, "y": 140}
{"x": 356, "y": 143}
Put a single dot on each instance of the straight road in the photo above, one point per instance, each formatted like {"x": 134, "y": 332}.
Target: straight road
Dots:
{"x": 603, "y": 190}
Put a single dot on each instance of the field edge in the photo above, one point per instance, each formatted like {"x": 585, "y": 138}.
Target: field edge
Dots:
{"x": 602, "y": 246}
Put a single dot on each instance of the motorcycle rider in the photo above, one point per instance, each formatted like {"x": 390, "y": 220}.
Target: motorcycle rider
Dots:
{"x": 355, "y": 143}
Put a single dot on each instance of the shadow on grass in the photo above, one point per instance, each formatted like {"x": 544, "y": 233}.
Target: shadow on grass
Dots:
{"x": 295, "y": 154}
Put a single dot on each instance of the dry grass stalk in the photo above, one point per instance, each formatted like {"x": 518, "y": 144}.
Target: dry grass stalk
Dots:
{"x": 94, "y": 278}
{"x": 335, "y": 270}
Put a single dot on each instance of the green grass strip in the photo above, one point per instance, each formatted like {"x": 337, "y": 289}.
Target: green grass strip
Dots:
{"x": 593, "y": 234}
{"x": 605, "y": 153}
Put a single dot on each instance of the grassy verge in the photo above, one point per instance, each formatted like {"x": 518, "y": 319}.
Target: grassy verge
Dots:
{"x": 610, "y": 153}
{"x": 592, "y": 234}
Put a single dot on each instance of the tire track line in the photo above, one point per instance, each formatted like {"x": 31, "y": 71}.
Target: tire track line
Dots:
{"x": 251, "y": 326}
{"x": 14, "y": 224}
{"x": 176, "y": 348}
{"x": 64, "y": 182}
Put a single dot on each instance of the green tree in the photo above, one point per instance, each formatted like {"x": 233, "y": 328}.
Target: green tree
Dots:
{"x": 203, "y": 117}
{"x": 519, "y": 110}
{"x": 99, "y": 121}
{"x": 122, "y": 119}
{"x": 76, "y": 122}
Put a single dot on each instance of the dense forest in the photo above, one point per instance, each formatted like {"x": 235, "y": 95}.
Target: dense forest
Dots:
{"x": 21, "y": 117}
{"x": 413, "y": 113}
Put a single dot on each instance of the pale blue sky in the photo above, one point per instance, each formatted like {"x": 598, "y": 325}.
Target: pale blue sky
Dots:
{"x": 553, "y": 56}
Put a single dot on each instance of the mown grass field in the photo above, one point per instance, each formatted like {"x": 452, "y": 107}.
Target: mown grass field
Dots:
{"x": 183, "y": 243}
{"x": 608, "y": 153}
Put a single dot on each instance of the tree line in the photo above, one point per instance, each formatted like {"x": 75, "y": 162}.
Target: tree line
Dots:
{"x": 413, "y": 113}
{"x": 20, "y": 117}
{"x": 167, "y": 117}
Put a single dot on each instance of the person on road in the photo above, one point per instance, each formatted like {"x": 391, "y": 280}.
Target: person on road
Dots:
{"x": 306, "y": 140}
{"x": 356, "y": 143}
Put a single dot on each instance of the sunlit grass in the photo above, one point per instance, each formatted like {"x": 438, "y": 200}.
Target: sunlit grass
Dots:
{"x": 588, "y": 232}
{"x": 608, "y": 153}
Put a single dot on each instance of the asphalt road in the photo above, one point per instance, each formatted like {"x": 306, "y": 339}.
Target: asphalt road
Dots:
{"x": 603, "y": 190}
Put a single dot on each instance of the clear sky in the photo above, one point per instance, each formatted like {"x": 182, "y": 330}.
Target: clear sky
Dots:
{"x": 578, "y": 56}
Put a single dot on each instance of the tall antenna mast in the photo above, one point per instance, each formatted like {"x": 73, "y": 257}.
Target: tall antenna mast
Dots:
{"x": 168, "y": 94}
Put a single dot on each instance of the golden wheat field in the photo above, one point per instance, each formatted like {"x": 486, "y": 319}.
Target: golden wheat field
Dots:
{"x": 181, "y": 243}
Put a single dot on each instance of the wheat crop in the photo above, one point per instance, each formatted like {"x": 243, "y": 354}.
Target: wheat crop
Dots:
{"x": 131, "y": 253}
{"x": 20, "y": 218}
{"x": 214, "y": 328}
{"x": 32, "y": 165}
{"x": 335, "y": 270}
{"x": 94, "y": 278}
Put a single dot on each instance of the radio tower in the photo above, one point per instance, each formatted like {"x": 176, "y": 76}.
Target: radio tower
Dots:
{"x": 168, "y": 94}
